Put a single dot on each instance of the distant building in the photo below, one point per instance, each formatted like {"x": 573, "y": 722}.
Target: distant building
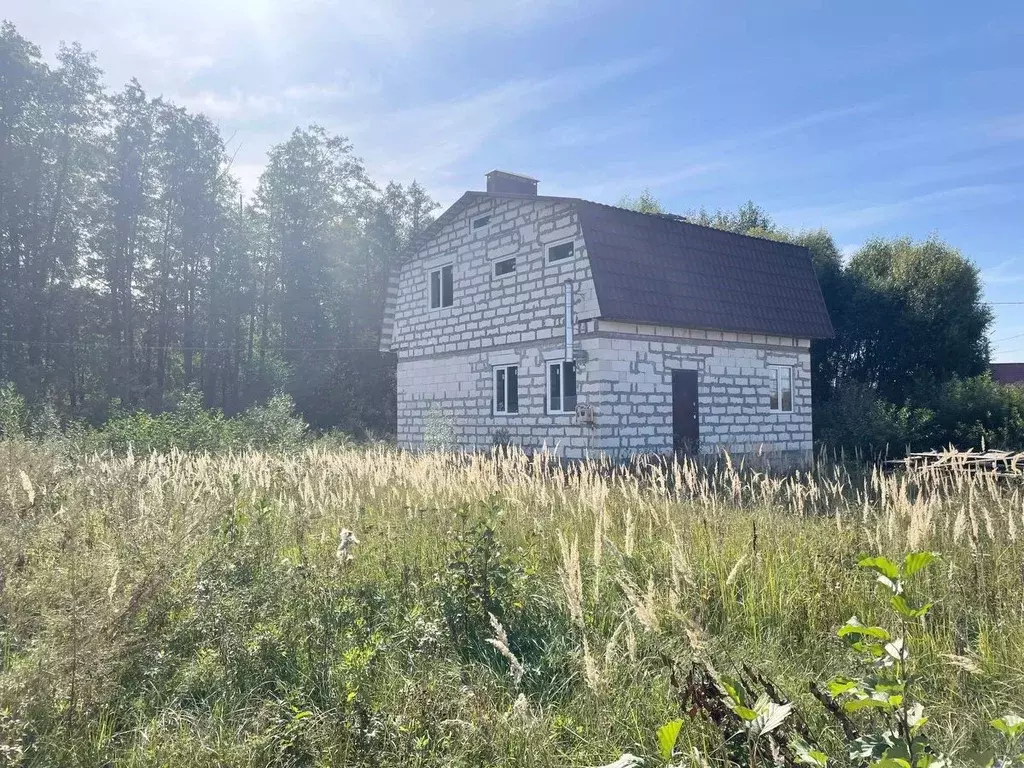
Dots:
{"x": 540, "y": 320}
{"x": 1008, "y": 373}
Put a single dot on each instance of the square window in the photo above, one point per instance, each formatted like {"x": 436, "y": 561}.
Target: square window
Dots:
{"x": 780, "y": 388}
{"x": 560, "y": 252}
{"x": 441, "y": 287}
{"x": 562, "y": 387}
{"x": 506, "y": 390}
{"x": 504, "y": 267}
{"x": 481, "y": 222}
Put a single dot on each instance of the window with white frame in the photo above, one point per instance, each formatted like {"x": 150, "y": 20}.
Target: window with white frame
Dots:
{"x": 560, "y": 252}
{"x": 481, "y": 222}
{"x": 780, "y": 382}
{"x": 506, "y": 390}
{"x": 441, "y": 287}
{"x": 562, "y": 387}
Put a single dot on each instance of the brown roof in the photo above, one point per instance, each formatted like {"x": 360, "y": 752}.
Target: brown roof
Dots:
{"x": 660, "y": 269}
{"x": 664, "y": 270}
{"x": 1008, "y": 373}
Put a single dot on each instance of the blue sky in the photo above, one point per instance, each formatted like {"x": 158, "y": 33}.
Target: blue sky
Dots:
{"x": 867, "y": 118}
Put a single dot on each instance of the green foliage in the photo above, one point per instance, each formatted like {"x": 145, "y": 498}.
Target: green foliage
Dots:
{"x": 132, "y": 271}
{"x": 191, "y": 427}
{"x": 965, "y": 413}
{"x": 481, "y": 580}
{"x": 333, "y": 606}
{"x": 645, "y": 202}
{"x": 13, "y": 413}
{"x": 668, "y": 735}
{"x": 856, "y": 418}
{"x": 893, "y": 732}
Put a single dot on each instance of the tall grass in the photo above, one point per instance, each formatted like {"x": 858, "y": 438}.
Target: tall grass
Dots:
{"x": 364, "y": 606}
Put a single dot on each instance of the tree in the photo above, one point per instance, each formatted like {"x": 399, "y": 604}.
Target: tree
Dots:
{"x": 645, "y": 202}
{"x": 132, "y": 272}
{"x": 917, "y": 317}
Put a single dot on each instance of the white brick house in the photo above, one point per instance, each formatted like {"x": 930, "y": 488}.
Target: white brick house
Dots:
{"x": 680, "y": 337}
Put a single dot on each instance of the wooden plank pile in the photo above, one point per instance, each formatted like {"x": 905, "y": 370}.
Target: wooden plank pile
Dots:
{"x": 1003, "y": 463}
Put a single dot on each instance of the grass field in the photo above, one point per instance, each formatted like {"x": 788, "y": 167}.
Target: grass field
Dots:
{"x": 334, "y": 606}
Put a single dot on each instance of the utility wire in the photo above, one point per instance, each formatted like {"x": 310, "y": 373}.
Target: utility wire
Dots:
{"x": 177, "y": 347}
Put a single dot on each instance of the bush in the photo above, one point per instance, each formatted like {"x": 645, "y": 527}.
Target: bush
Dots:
{"x": 857, "y": 419}
{"x": 978, "y": 412}
{"x": 191, "y": 427}
{"x": 965, "y": 413}
{"x": 13, "y": 414}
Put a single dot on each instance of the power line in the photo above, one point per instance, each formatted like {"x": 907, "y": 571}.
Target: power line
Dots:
{"x": 176, "y": 347}
{"x": 1008, "y": 338}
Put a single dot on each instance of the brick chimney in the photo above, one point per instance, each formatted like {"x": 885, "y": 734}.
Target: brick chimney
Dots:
{"x": 505, "y": 183}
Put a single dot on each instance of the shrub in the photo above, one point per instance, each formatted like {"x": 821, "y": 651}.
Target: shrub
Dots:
{"x": 191, "y": 427}
{"x": 13, "y": 414}
{"x": 966, "y": 413}
{"x": 272, "y": 424}
{"x": 857, "y": 419}
{"x": 976, "y": 412}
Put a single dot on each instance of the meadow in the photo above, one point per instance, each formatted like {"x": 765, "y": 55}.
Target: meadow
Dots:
{"x": 360, "y": 606}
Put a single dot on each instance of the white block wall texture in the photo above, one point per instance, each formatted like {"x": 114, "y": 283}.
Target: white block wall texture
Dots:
{"x": 446, "y": 356}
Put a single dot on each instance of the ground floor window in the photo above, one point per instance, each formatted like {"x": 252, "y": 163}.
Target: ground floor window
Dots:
{"x": 562, "y": 387}
{"x": 780, "y": 381}
{"x": 506, "y": 389}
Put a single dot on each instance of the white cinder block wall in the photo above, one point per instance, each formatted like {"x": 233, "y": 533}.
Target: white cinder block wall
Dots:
{"x": 446, "y": 356}
{"x": 631, "y": 370}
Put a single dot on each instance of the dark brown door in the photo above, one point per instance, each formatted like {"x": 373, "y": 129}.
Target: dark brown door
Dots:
{"x": 685, "y": 426}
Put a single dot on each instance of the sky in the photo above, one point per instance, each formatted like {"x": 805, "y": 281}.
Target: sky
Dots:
{"x": 867, "y": 118}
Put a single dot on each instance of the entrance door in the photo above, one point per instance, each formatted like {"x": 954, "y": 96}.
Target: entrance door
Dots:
{"x": 685, "y": 427}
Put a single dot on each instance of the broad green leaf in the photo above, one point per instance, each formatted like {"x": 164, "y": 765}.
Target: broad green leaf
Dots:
{"x": 806, "y": 755}
{"x": 856, "y": 705}
{"x": 915, "y": 561}
{"x": 916, "y": 718}
{"x": 668, "y": 734}
{"x": 733, "y": 688}
{"x": 891, "y": 762}
{"x": 900, "y": 604}
{"x": 745, "y": 712}
{"x": 859, "y": 629}
{"x": 840, "y": 685}
{"x": 868, "y": 746}
{"x": 1009, "y": 725}
{"x": 882, "y": 565}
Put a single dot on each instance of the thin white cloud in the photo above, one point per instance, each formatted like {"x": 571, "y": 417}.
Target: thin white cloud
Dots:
{"x": 431, "y": 140}
{"x": 1007, "y": 272}
{"x": 858, "y": 216}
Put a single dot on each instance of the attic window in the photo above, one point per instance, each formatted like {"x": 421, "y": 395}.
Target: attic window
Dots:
{"x": 504, "y": 267}
{"x": 481, "y": 222}
{"x": 560, "y": 252}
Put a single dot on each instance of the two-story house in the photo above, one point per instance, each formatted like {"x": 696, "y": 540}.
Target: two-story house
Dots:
{"x": 590, "y": 329}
